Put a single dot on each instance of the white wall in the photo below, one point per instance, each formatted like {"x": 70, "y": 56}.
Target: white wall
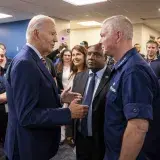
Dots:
{"x": 137, "y": 34}
{"x": 141, "y": 34}
{"x": 146, "y": 33}
{"x": 62, "y": 26}
{"x": 91, "y": 35}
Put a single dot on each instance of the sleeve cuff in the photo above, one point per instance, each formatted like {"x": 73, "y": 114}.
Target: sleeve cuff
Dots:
{"x": 138, "y": 110}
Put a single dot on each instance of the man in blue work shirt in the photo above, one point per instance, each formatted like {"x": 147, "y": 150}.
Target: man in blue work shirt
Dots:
{"x": 132, "y": 96}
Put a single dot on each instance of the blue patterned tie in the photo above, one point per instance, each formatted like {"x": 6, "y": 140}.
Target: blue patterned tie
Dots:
{"x": 87, "y": 101}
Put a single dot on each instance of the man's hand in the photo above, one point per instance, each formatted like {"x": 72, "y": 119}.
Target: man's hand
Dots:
{"x": 67, "y": 96}
{"x": 78, "y": 111}
{"x": 3, "y": 98}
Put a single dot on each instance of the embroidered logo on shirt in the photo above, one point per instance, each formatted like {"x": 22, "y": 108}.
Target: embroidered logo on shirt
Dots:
{"x": 112, "y": 88}
{"x": 122, "y": 61}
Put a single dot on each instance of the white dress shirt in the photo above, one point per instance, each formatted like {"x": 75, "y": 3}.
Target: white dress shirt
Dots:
{"x": 35, "y": 49}
{"x": 98, "y": 78}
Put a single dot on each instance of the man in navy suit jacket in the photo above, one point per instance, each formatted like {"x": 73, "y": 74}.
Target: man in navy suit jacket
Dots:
{"x": 35, "y": 116}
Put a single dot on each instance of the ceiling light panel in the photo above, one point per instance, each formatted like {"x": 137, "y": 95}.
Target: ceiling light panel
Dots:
{"x": 83, "y": 2}
{"x": 2, "y": 15}
{"x": 90, "y": 23}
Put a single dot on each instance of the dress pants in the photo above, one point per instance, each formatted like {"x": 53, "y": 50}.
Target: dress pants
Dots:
{"x": 87, "y": 148}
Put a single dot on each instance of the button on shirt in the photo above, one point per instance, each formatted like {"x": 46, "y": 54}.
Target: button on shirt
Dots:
{"x": 98, "y": 78}
{"x": 133, "y": 93}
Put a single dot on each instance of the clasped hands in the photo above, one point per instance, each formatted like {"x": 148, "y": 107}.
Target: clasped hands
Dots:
{"x": 77, "y": 110}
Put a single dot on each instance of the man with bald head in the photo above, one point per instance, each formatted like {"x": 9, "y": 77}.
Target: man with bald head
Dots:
{"x": 93, "y": 85}
{"x": 132, "y": 96}
{"x": 35, "y": 113}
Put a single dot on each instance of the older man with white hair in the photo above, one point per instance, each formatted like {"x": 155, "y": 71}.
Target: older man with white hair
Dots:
{"x": 35, "y": 113}
{"x": 133, "y": 93}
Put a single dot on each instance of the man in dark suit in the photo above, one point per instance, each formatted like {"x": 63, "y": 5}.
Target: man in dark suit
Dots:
{"x": 35, "y": 113}
{"x": 90, "y": 145}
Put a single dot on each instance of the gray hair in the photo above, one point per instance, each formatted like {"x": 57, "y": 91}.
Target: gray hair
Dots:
{"x": 36, "y": 23}
{"x": 120, "y": 23}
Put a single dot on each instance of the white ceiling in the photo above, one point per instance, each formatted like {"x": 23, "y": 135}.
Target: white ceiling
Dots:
{"x": 139, "y": 11}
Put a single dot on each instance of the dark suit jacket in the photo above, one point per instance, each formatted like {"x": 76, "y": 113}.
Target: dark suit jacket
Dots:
{"x": 98, "y": 104}
{"x": 50, "y": 67}
{"x": 155, "y": 65}
{"x": 34, "y": 120}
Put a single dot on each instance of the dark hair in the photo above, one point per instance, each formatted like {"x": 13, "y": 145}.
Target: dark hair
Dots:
{"x": 59, "y": 66}
{"x": 84, "y": 43}
{"x": 153, "y": 42}
{"x": 83, "y": 50}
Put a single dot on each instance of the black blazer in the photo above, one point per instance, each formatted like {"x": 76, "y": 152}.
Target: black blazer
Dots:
{"x": 98, "y": 105}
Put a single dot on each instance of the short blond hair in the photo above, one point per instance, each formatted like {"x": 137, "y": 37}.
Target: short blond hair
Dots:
{"x": 120, "y": 23}
{"x": 36, "y": 23}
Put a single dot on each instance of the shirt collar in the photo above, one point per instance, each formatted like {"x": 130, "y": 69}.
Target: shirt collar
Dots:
{"x": 99, "y": 73}
{"x": 37, "y": 52}
{"x": 150, "y": 60}
{"x": 124, "y": 59}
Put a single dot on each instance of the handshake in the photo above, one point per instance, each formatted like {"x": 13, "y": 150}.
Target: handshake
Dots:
{"x": 77, "y": 110}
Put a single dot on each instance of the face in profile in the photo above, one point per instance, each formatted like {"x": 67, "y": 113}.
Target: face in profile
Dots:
{"x": 151, "y": 49}
{"x": 107, "y": 40}
{"x": 67, "y": 57}
{"x": 77, "y": 58}
{"x": 47, "y": 36}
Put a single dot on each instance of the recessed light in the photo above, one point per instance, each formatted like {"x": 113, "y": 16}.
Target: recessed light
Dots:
{"x": 83, "y": 2}
{"x": 159, "y": 9}
{"x": 2, "y": 15}
{"x": 90, "y": 23}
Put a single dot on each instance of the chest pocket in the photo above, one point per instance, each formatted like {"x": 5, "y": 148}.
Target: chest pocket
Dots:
{"x": 114, "y": 90}
{"x": 114, "y": 98}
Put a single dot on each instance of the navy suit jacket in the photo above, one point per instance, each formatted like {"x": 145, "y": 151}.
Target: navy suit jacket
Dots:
{"x": 35, "y": 116}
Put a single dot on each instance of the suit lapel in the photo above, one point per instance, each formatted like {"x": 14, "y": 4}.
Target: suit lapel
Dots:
{"x": 84, "y": 81}
{"x": 104, "y": 80}
{"x": 41, "y": 66}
